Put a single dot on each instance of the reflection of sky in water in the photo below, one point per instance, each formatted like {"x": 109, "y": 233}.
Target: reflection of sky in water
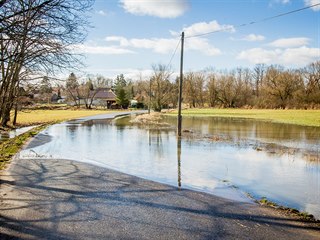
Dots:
{"x": 284, "y": 134}
{"x": 207, "y": 166}
{"x": 14, "y": 133}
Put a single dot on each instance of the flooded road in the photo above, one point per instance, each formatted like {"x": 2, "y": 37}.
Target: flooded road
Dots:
{"x": 13, "y": 133}
{"x": 226, "y": 157}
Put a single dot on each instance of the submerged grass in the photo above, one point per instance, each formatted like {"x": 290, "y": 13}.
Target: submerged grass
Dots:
{"x": 299, "y": 117}
{"x": 292, "y": 211}
{"x": 12, "y": 146}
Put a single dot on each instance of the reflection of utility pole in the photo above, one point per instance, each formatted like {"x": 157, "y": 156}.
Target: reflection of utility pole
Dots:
{"x": 149, "y": 136}
{"x": 179, "y": 161}
{"x": 180, "y": 87}
{"x": 149, "y": 107}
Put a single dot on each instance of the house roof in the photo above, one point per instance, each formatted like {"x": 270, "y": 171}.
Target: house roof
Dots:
{"x": 104, "y": 93}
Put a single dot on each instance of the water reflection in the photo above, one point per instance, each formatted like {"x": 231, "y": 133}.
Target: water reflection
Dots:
{"x": 179, "y": 160}
{"x": 216, "y": 155}
{"x": 237, "y": 129}
{"x": 13, "y": 133}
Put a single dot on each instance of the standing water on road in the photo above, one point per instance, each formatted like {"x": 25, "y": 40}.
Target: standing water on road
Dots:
{"x": 222, "y": 156}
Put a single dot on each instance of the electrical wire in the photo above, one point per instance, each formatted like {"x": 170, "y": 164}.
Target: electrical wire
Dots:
{"x": 173, "y": 54}
{"x": 254, "y": 22}
{"x": 241, "y": 25}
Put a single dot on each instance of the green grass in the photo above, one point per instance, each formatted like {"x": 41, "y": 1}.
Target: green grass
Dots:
{"x": 40, "y": 116}
{"x": 292, "y": 211}
{"x": 299, "y": 117}
{"x": 11, "y": 146}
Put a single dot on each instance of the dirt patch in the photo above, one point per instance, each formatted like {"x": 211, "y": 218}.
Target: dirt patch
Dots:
{"x": 150, "y": 119}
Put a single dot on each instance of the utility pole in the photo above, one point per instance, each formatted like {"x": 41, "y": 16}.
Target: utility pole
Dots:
{"x": 180, "y": 87}
{"x": 149, "y": 105}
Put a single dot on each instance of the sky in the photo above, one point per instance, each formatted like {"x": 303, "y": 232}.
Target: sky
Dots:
{"x": 130, "y": 36}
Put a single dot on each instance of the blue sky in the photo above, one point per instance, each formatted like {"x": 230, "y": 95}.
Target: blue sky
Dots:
{"x": 129, "y": 36}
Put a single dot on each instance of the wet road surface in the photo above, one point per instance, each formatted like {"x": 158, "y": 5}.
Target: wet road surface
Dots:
{"x": 63, "y": 199}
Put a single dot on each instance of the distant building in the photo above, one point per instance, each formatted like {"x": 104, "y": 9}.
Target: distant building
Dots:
{"x": 103, "y": 97}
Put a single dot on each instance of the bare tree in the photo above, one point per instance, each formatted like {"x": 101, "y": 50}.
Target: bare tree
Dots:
{"x": 227, "y": 94}
{"x": 160, "y": 87}
{"x": 36, "y": 37}
{"x": 194, "y": 89}
{"x": 212, "y": 90}
{"x": 258, "y": 75}
{"x": 311, "y": 75}
{"x": 244, "y": 87}
{"x": 280, "y": 86}
{"x": 189, "y": 89}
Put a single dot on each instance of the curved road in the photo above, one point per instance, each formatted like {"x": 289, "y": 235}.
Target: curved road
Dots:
{"x": 63, "y": 199}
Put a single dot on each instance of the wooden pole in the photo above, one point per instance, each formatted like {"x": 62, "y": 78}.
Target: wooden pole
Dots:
{"x": 149, "y": 105}
{"x": 180, "y": 87}
{"x": 179, "y": 161}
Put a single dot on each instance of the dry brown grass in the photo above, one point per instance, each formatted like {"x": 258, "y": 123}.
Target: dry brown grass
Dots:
{"x": 33, "y": 117}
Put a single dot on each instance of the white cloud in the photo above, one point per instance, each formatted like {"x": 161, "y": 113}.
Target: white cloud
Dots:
{"x": 202, "y": 45}
{"x": 159, "y": 45}
{"x": 137, "y": 74}
{"x": 290, "y": 42}
{"x": 274, "y": 2}
{"x": 290, "y": 56}
{"x": 253, "y": 38}
{"x": 259, "y": 55}
{"x": 300, "y": 56}
{"x": 121, "y": 40}
{"x": 156, "y": 8}
{"x": 311, "y": 3}
{"x": 203, "y": 28}
{"x": 106, "y": 50}
{"x": 283, "y": 1}
{"x": 166, "y": 45}
{"x": 102, "y": 13}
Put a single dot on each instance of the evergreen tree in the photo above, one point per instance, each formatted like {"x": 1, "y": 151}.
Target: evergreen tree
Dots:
{"x": 122, "y": 99}
{"x": 120, "y": 90}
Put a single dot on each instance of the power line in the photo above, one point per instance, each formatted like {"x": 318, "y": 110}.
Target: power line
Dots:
{"x": 254, "y": 22}
{"x": 173, "y": 54}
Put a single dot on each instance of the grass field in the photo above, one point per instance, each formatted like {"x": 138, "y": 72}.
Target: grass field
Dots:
{"x": 299, "y": 117}
{"x": 32, "y": 117}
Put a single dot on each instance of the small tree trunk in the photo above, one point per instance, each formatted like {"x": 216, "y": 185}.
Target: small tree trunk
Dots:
{"x": 14, "y": 122}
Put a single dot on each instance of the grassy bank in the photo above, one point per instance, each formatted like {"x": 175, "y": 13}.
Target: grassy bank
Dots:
{"x": 33, "y": 117}
{"x": 299, "y": 117}
{"x": 11, "y": 146}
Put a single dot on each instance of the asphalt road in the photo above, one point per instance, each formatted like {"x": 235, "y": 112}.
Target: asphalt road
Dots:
{"x": 62, "y": 199}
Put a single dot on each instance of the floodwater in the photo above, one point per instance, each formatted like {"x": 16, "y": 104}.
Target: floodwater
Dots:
{"x": 13, "y": 133}
{"x": 222, "y": 156}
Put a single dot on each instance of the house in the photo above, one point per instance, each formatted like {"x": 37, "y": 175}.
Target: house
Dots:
{"x": 103, "y": 97}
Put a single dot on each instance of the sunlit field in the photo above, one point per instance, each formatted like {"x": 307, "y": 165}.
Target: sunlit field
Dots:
{"x": 32, "y": 117}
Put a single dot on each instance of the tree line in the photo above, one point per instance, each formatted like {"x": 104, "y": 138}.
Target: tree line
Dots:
{"x": 261, "y": 87}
